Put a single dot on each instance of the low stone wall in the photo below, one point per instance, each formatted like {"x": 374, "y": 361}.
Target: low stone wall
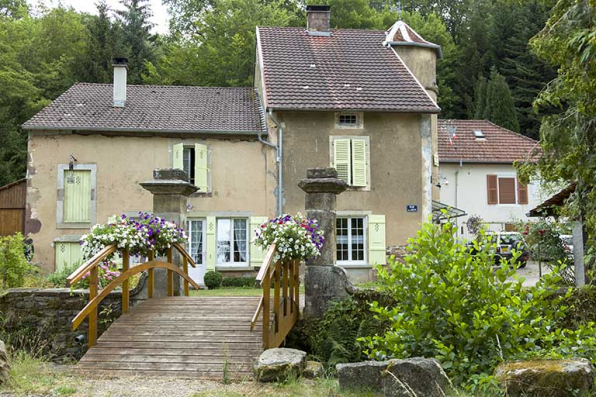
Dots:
{"x": 41, "y": 319}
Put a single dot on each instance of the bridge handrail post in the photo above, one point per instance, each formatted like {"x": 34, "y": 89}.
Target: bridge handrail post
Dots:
{"x": 125, "y": 289}
{"x": 185, "y": 269}
{"x": 92, "y": 330}
{"x": 170, "y": 273}
{"x": 150, "y": 276}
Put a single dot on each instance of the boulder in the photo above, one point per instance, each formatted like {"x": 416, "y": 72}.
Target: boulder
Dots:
{"x": 4, "y": 366}
{"x": 415, "y": 377}
{"x": 546, "y": 378}
{"x": 396, "y": 378}
{"x": 313, "y": 370}
{"x": 279, "y": 364}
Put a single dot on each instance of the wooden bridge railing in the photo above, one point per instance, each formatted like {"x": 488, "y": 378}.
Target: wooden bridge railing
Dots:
{"x": 96, "y": 296}
{"x": 285, "y": 307}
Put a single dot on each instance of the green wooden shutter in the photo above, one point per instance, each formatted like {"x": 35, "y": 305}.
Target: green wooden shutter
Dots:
{"x": 376, "y": 240}
{"x": 68, "y": 254}
{"x": 77, "y": 196}
{"x": 359, "y": 168}
{"x": 178, "y": 156}
{"x": 201, "y": 168}
{"x": 341, "y": 159}
{"x": 257, "y": 254}
{"x": 211, "y": 242}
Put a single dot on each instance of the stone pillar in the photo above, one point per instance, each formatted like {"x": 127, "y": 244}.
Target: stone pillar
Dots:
{"x": 323, "y": 281}
{"x": 170, "y": 189}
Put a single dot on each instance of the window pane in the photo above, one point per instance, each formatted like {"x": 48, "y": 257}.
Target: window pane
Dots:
{"x": 348, "y": 119}
{"x": 195, "y": 240}
{"x": 342, "y": 239}
{"x": 223, "y": 240}
{"x": 357, "y": 238}
{"x": 240, "y": 240}
{"x": 186, "y": 161}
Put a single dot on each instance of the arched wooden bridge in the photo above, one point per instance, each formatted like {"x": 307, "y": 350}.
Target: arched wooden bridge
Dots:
{"x": 195, "y": 337}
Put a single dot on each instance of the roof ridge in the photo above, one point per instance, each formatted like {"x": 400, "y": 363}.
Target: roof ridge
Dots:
{"x": 162, "y": 86}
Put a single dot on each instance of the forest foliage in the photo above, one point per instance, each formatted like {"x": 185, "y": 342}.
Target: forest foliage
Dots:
{"x": 212, "y": 43}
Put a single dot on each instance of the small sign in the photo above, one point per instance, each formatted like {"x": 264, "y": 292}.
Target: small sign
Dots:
{"x": 411, "y": 208}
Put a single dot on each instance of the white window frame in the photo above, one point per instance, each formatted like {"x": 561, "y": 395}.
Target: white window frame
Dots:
{"x": 368, "y": 162}
{"x": 203, "y": 235}
{"x": 232, "y": 263}
{"x": 359, "y": 120}
{"x": 349, "y": 217}
{"x": 507, "y": 176}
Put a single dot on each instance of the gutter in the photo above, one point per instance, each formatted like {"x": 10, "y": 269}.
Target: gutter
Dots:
{"x": 140, "y": 130}
{"x": 416, "y": 44}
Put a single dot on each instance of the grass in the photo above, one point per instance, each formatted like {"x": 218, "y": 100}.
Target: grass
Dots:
{"x": 232, "y": 292}
{"x": 34, "y": 375}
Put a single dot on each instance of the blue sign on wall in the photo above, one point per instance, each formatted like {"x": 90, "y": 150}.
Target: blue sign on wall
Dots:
{"x": 411, "y": 208}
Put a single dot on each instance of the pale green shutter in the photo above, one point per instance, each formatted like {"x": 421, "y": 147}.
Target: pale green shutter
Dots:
{"x": 77, "y": 197}
{"x": 68, "y": 254}
{"x": 341, "y": 159}
{"x": 178, "y": 156}
{"x": 201, "y": 168}
{"x": 257, "y": 254}
{"x": 211, "y": 243}
{"x": 376, "y": 240}
{"x": 359, "y": 168}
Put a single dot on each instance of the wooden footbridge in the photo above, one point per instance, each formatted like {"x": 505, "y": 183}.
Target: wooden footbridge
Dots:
{"x": 194, "y": 337}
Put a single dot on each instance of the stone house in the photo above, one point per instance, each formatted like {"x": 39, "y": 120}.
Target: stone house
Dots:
{"x": 361, "y": 101}
{"x": 477, "y": 175}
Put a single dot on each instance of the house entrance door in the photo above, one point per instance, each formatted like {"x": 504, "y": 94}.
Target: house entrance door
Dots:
{"x": 196, "y": 247}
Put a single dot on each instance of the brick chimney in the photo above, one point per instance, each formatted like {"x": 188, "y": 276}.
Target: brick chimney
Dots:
{"x": 317, "y": 20}
{"x": 120, "y": 76}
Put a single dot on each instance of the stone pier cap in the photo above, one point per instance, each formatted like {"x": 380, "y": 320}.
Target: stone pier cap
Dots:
{"x": 170, "y": 182}
{"x": 322, "y": 180}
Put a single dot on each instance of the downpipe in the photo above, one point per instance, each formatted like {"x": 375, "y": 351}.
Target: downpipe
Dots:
{"x": 279, "y": 158}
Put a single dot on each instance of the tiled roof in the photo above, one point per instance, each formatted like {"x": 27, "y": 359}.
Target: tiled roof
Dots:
{"x": 153, "y": 109}
{"x": 499, "y": 145}
{"x": 348, "y": 70}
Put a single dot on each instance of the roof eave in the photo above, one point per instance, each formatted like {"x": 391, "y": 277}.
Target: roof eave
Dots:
{"x": 367, "y": 110}
{"x": 433, "y": 46}
{"x": 468, "y": 161}
{"x": 149, "y": 130}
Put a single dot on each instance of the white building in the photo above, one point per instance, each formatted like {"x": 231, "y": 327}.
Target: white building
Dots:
{"x": 476, "y": 173}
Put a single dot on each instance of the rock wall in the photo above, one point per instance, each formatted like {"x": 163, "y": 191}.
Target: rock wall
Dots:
{"x": 40, "y": 319}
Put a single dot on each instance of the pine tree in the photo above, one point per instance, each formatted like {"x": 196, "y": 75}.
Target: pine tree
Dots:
{"x": 480, "y": 98}
{"x": 136, "y": 34}
{"x": 500, "y": 108}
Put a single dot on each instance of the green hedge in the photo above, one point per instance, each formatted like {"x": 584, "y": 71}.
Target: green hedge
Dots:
{"x": 238, "y": 282}
{"x": 213, "y": 279}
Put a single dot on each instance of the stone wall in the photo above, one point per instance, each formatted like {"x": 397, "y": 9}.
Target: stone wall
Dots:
{"x": 34, "y": 318}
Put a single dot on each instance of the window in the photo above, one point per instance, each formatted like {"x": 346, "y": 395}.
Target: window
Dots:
{"x": 196, "y": 240}
{"x": 478, "y": 134}
{"x": 351, "y": 241}
{"x": 350, "y": 159}
{"x": 194, "y": 160}
{"x": 348, "y": 120}
{"x": 189, "y": 164}
{"x": 232, "y": 241}
{"x": 68, "y": 253}
{"x": 505, "y": 190}
{"x": 76, "y": 203}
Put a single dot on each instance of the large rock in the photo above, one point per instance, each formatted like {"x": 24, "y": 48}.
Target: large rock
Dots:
{"x": 4, "y": 366}
{"x": 415, "y": 377}
{"x": 396, "y": 378}
{"x": 313, "y": 370}
{"x": 546, "y": 378}
{"x": 279, "y": 364}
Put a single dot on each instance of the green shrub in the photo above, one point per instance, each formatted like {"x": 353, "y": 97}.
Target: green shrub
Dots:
{"x": 13, "y": 264}
{"x": 213, "y": 279}
{"x": 58, "y": 278}
{"x": 238, "y": 282}
{"x": 453, "y": 306}
{"x": 335, "y": 338}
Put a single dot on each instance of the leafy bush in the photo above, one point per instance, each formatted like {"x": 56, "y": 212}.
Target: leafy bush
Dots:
{"x": 335, "y": 338}
{"x": 296, "y": 237}
{"x": 238, "y": 282}
{"x": 453, "y": 306}
{"x": 213, "y": 279}
{"x": 58, "y": 278}
{"x": 13, "y": 264}
{"x": 107, "y": 271}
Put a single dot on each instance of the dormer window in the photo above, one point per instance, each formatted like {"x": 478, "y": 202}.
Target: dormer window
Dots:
{"x": 348, "y": 120}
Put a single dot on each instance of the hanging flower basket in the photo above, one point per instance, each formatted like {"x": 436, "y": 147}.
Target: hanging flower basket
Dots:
{"x": 296, "y": 237}
{"x": 138, "y": 235}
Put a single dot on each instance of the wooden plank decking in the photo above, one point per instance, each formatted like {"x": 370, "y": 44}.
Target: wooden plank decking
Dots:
{"x": 193, "y": 337}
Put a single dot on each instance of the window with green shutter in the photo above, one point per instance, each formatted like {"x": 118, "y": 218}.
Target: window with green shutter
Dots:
{"x": 68, "y": 254}
{"x": 350, "y": 157}
{"x": 194, "y": 160}
{"x": 77, "y": 196}
{"x": 376, "y": 240}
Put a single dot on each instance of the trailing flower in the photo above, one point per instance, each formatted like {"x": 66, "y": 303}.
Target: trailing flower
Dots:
{"x": 106, "y": 271}
{"x": 296, "y": 236}
{"x": 138, "y": 235}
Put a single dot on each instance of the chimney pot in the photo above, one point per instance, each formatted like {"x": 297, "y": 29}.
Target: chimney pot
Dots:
{"x": 120, "y": 76}
{"x": 317, "y": 20}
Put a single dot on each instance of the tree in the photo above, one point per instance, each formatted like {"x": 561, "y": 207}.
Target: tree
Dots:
{"x": 499, "y": 103}
{"x": 140, "y": 44}
{"x": 480, "y": 98}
